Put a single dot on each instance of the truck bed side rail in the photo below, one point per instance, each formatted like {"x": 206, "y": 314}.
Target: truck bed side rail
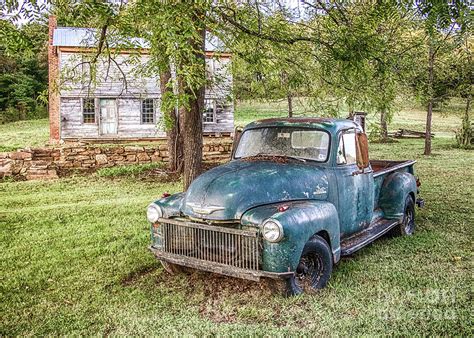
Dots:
{"x": 381, "y": 167}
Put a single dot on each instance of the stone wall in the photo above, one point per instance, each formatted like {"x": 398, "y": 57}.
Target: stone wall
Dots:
{"x": 46, "y": 163}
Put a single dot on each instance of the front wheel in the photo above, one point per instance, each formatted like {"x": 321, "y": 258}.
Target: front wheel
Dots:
{"x": 314, "y": 268}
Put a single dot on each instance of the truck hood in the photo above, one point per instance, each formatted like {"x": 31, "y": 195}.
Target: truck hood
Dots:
{"x": 227, "y": 191}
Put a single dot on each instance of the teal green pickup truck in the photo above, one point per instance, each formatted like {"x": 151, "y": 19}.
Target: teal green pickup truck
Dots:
{"x": 297, "y": 195}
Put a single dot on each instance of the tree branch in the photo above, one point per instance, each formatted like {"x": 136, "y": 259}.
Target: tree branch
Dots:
{"x": 284, "y": 40}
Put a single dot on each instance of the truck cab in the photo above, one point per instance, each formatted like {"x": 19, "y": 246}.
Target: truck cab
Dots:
{"x": 297, "y": 195}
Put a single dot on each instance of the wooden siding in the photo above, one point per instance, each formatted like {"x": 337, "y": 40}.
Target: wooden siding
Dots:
{"x": 129, "y": 120}
{"x": 71, "y": 120}
{"x": 109, "y": 81}
{"x": 224, "y": 121}
{"x": 129, "y": 112}
{"x": 219, "y": 71}
{"x": 74, "y": 86}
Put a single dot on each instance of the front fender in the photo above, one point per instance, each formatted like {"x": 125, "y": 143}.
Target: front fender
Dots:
{"x": 395, "y": 189}
{"x": 171, "y": 205}
{"x": 300, "y": 222}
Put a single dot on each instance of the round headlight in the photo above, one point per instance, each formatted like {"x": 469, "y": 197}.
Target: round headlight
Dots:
{"x": 272, "y": 231}
{"x": 153, "y": 212}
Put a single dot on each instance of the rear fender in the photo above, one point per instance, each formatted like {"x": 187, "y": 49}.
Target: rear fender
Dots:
{"x": 301, "y": 221}
{"x": 393, "y": 193}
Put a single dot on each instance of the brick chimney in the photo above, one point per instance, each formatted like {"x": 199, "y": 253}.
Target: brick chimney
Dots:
{"x": 53, "y": 78}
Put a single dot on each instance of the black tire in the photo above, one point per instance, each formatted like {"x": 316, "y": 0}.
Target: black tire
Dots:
{"x": 314, "y": 269}
{"x": 174, "y": 269}
{"x": 407, "y": 226}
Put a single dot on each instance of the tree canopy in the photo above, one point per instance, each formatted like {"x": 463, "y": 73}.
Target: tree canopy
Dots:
{"x": 23, "y": 71}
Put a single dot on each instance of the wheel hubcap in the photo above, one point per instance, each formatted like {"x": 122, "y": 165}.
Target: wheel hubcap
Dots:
{"x": 308, "y": 273}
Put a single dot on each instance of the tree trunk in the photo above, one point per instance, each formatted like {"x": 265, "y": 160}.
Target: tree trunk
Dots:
{"x": 175, "y": 139}
{"x": 383, "y": 106}
{"x": 192, "y": 120}
{"x": 192, "y": 146}
{"x": 290, "y": 105}
{"x": 468, "y": 106}
{"x": 464, "y": 136}
{"x": 383, "y": 124}
{"x": 429, "y": 114}
{"x": 468, "y": 128}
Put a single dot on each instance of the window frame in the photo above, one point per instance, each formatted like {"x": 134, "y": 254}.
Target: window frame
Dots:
{"x": 304, "y": 131}
{"x": 330, "y": 143}
{"x": 83, "y": 107}
{"x": 142, "y": 101}
{"x": 214, "y": 112}
{"x": 340, "y": 138}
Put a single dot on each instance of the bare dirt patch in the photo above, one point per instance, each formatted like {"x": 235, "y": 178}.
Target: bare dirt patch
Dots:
{"x": 218, "y": 298}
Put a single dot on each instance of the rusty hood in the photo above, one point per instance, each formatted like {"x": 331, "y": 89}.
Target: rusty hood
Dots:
{"x": 227, "y": 191}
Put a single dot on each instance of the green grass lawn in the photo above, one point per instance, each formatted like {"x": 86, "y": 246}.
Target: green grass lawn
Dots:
{"x": 74, "y": 260}
{"x": 30, "y": 133}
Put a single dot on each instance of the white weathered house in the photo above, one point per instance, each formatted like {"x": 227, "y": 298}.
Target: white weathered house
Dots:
{"x": 123, "y": 102}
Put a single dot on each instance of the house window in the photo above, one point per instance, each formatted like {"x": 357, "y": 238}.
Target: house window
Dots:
{"x": 211, "y": 109}
{"x": 148, "y": 111}
{"x": 88, "y": 110}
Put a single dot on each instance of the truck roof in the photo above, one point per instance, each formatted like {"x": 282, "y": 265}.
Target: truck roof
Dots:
{"x": 330, "y": 124}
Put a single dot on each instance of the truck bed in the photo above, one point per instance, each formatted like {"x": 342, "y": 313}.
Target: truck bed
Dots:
{"x": 379, "y": 224}
{"x": 381, "y": 167}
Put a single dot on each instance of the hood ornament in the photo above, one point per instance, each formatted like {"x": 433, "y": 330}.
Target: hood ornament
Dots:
{"x": 205, "y": 210}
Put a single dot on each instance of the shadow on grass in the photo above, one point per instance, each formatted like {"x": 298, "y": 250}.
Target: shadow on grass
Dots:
{"x": 134, "y": 276}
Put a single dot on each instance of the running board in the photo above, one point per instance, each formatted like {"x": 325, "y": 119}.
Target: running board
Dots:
{"x": 359, "y": 240}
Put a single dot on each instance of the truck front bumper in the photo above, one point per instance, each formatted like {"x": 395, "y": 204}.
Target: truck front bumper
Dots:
{"x": 214, "y": 267}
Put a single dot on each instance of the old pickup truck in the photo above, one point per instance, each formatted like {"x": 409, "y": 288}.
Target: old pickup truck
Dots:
{"x": 297, "y": 195}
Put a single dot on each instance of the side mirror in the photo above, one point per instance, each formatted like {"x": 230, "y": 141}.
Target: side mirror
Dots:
{"x": 362, "y": 150}
{"x": 236, "y": 139}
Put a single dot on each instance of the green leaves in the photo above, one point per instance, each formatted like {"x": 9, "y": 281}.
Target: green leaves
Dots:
{"x": 438, "y": 15}
{"x": 23, "y": 70}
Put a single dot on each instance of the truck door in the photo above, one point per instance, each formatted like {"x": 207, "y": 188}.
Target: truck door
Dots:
{"x": 354, "y": 186}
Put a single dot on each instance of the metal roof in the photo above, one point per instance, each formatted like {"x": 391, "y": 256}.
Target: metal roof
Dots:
{"x": 89, "y": 37}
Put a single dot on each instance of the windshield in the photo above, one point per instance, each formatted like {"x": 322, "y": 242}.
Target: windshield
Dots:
{"x": 284, "y": 141}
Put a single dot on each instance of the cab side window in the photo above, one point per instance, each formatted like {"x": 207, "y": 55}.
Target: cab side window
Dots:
{"x": 346, "y": 150}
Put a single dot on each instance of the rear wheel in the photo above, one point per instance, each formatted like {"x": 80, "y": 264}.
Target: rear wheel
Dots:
{"x": 314, "y": 268}
{"x": 407, "y": 226}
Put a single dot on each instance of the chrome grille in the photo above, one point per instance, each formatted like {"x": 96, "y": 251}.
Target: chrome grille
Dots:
{"x": 227, "y": 246}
